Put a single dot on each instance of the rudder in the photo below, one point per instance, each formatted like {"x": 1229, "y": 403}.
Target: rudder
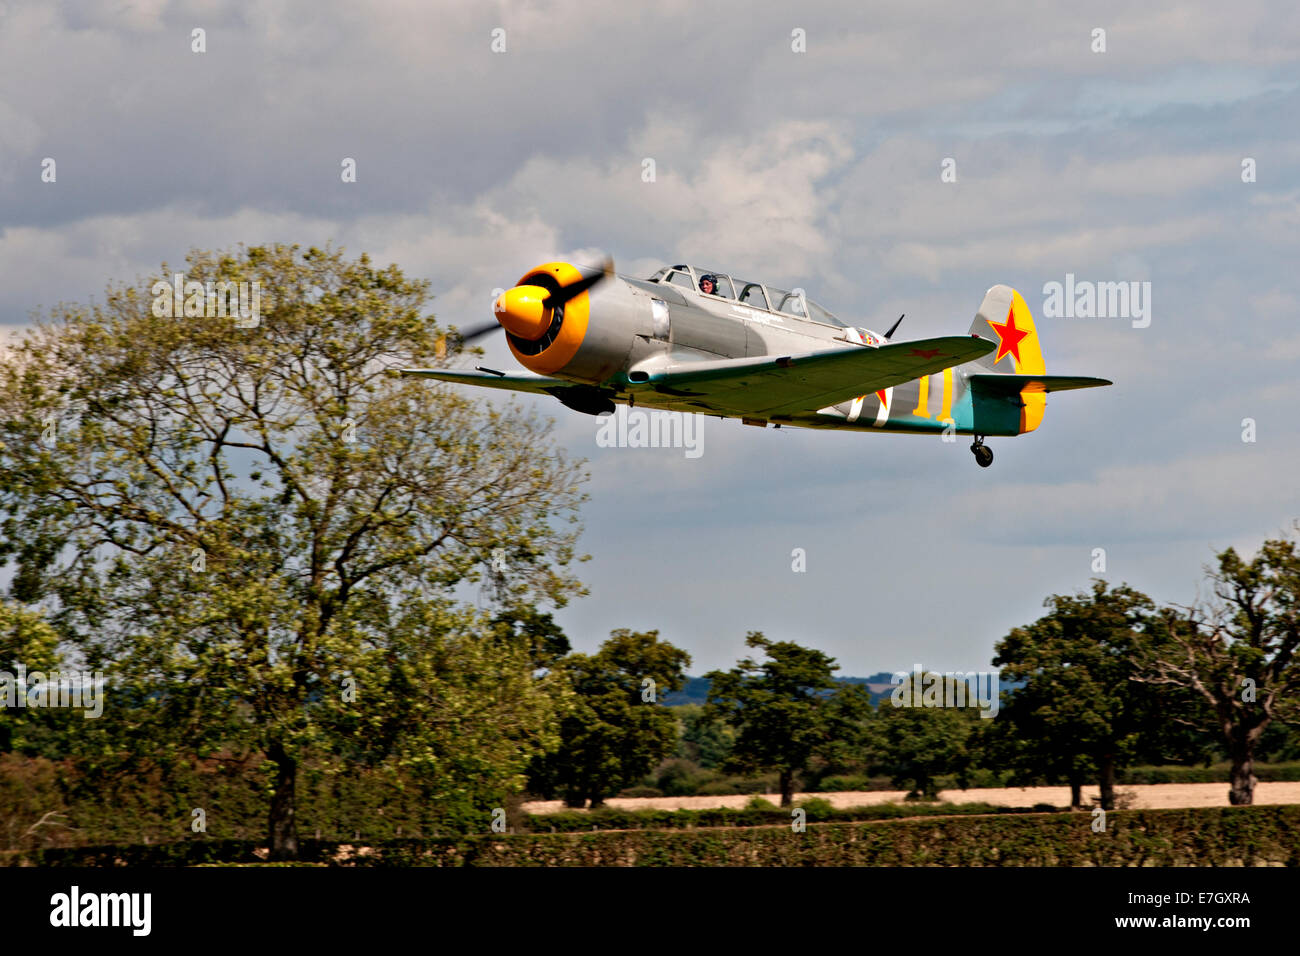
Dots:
{"x": 1004, "y": 319}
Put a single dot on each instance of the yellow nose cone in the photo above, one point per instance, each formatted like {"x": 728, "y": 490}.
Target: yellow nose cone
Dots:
{"x": 521, "y": 312}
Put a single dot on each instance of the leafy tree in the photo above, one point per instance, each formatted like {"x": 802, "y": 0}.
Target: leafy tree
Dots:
{"x": 678, "y": 777}
{"x": 915, "y": 744}
{"x": 617, "y": 730}
{"x": 257, "y": 532}
{"x": 1236, "y": 652}
{"x": 1018, "y": 742}
{"x": 27, "y": 644}
{"x": 1279, "y": 743}
{"x": 545, "y": 639}
{"x": 1080, "y": 700}
{"x": 786, "y": 709}
{"x": 703, "y": 740}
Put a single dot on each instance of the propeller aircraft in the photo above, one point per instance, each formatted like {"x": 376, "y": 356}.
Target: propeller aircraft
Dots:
{"x": 703, "y": 341}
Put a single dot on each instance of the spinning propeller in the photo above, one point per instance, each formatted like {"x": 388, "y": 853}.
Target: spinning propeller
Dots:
{"x": 525, "y": 311}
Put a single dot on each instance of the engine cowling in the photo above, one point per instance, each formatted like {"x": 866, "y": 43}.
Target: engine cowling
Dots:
{"x": 544, "y": 339}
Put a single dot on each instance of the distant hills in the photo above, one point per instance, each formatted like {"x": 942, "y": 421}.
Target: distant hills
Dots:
{"x": 878, "y": 685}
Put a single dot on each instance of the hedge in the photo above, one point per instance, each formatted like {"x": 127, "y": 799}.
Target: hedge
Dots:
{"x": 1207, "y": 836}
{"x": 1215, "y": 773}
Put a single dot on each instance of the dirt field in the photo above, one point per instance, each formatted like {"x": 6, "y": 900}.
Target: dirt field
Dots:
{"x": 1142, "y": 796}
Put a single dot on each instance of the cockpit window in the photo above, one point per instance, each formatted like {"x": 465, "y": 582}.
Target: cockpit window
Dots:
{"x": 721, "y": 283}
{"x": 818, "y": 314}
{"x": 791, "y": 303}
{"x": 682, "y": 279}
{"x": 751, "y": 294}
{"x": 747, "y": 293}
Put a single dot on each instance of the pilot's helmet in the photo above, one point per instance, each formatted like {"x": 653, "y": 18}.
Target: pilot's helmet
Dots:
{"x": 711, "y": 279}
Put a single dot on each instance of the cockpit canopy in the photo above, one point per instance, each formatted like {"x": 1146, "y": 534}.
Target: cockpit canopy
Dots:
{"x": 752, "y": 294}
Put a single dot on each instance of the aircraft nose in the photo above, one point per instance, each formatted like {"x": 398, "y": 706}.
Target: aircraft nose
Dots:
{"x": 521, "y": 312}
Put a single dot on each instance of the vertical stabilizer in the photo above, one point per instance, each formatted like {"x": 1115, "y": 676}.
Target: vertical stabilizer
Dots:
{"x": 1004, "y": 319}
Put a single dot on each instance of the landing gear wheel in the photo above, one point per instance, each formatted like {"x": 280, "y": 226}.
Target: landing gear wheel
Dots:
{"x": 983, "y": 453}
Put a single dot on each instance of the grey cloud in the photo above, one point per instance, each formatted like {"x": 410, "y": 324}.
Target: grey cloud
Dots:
{"x": 817, "y": 169}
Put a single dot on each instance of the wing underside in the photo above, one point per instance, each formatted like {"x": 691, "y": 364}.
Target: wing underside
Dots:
{"x": 765, "y": 386}
{"x": 536, "y": 384}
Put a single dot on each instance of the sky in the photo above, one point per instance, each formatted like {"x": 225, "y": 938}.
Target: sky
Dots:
{"x": 797, "y": 144}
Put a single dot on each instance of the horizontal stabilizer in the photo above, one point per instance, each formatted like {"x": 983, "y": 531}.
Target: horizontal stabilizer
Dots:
{"x": 994, "y": 384}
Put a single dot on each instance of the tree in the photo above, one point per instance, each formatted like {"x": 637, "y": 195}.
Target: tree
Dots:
{"x": 703, "y": 741}
{"x": 1279, "y": 743}
{"x": 257, "y": 532}
{"x": 545, "y": 639}
{"x": 28, "y": 645}
{"x": 1080, "y": 700}
{"x": 786, "y": 709}
{"x": 617, "y": 730}
{"x": 1021, "y": 743}
{"x": 1237, "y": 653}
{"x": 916, "y": 743}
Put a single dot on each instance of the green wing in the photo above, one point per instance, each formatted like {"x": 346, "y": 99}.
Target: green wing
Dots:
{"x": 783, "y": 385}
{"x": 763, "y": 386}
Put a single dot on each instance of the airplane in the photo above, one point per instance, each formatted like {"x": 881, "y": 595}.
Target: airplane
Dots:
{"x": 698, "y": 340}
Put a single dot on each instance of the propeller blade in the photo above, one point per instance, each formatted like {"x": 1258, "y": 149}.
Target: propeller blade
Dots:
{"x": 463, "y": 338}
{"x": 894, "y": 328}
{"x": 582, "y": 285}
{"x": 551, "y": 301}
{"x": 478, "y": 331}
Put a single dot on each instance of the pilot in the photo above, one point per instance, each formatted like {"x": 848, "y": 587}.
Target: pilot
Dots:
{"x": 708, "y": 284}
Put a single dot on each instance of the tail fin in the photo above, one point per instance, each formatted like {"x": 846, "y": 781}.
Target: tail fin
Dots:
{"x": 1005, "y": 319}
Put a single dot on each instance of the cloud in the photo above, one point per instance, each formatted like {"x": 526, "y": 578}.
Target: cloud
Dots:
{"x": 819, "y": 169}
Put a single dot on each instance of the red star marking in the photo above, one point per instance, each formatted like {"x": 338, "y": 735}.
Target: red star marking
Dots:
{"x": 884, "y": 402}
{"x": 925, "y": 353}
{"x": 1008, "y": 337}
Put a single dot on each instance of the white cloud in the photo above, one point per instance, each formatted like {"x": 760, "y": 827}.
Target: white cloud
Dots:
{"x": 818, "y": 169}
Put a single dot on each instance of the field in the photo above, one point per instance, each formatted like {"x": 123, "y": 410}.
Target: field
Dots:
{"x": 1161, "y": 796}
